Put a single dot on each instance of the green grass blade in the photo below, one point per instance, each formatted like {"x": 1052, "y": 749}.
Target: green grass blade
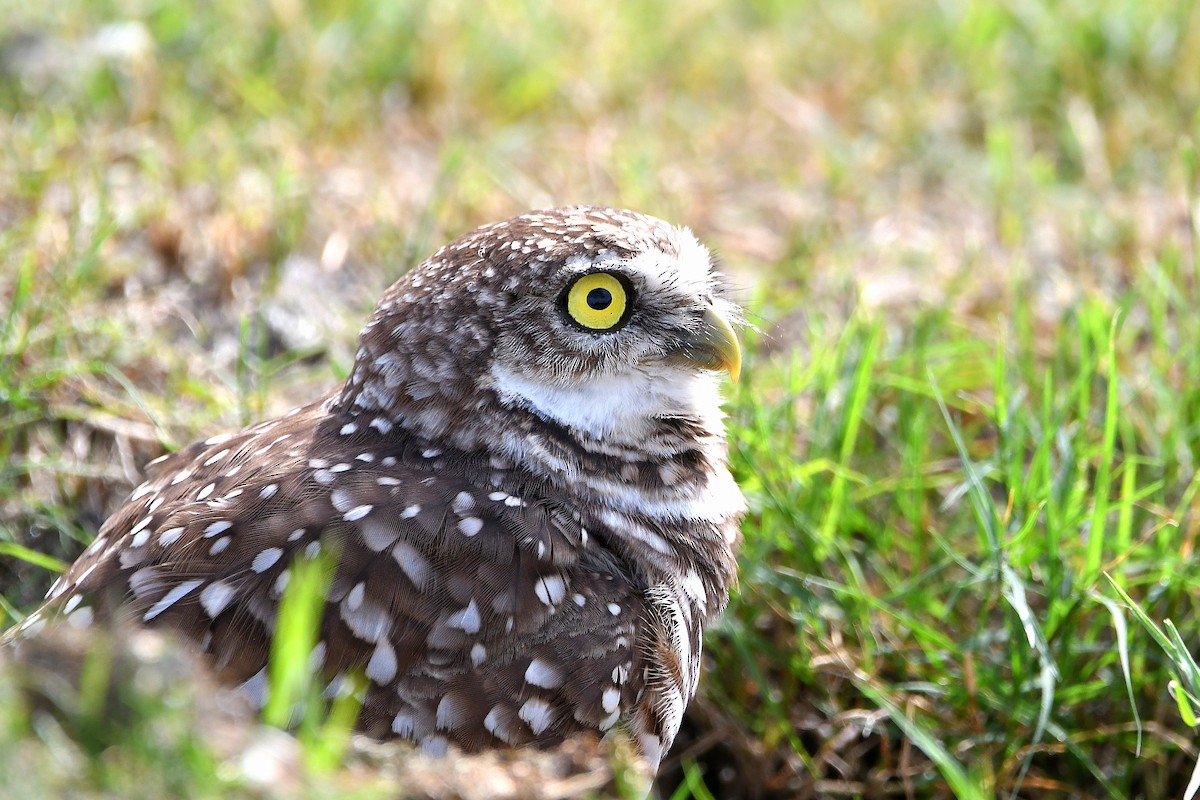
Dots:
{"x": 859, "y": 393}
{"x": 289, "y": 675}
{"x": 1121, "y": 629}
{"x": 1148, "y": 624}
{"x": 981, "y": 503}
{"x": 1096, "y": 531}
{"x": 14, "y": 550}
{"x": 693, "y": 786}
{"x": 1193, "y": 783}
{"x": 960, "y": 783}
{"x": 1183, "y": 702}
{"x": 1183, "y": 657}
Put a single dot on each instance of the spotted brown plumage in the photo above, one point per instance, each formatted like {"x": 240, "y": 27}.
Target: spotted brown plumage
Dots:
{"x": 523, "y": 479}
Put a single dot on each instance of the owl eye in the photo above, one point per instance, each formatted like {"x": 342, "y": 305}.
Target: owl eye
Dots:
{"x": 599, "y": 301}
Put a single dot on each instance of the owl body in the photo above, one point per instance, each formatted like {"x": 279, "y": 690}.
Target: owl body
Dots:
{"x": 522, "y": 482}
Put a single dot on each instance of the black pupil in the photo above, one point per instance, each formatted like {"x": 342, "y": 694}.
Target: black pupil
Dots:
{"x": 599, "y": 299}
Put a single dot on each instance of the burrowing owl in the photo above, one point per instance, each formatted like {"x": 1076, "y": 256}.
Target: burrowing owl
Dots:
{"x": 524, "y": 481}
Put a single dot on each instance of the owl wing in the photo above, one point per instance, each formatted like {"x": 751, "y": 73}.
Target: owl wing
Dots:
{"x": 478, "y": 616}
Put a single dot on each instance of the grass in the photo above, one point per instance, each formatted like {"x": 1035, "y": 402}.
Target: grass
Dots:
{"x": 967, "y": 235}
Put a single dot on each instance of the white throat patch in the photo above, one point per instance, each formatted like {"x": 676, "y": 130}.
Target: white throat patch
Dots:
{"x": 618, "y": 408}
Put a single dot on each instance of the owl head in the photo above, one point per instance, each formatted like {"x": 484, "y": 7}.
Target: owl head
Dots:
{"x": 599, "y": 320}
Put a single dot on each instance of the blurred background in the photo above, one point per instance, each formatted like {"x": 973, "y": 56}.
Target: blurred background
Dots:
{"x": 965, "y": 233}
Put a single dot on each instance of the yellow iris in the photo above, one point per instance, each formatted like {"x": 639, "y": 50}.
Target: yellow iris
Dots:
{"x": 598, "y": 301}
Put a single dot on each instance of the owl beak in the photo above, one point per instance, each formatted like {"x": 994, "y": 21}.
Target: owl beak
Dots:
{"x": 713, "y": 346}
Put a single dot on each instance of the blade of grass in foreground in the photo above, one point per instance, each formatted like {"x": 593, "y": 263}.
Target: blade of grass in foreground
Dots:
{"x": 1013, "y": 587}
{"x": 854, "y": 415}
{"x": 295, "y": 636}
{"x": 1095, "y": 547}
{"x": 693, "y": 787}
{"x": 294, "y": 693}
{"x": 23, "y": 553}
{"x": 1123, "y": 651}
{"x": 960, "y": 783}
{"x": 1185, "y": 667}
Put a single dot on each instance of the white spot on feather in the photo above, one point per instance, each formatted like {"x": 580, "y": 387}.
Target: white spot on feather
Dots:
{"x": 169, "y": 599}
{"x": 435, "y": 746}
{"x": 354, "y": 598}
{"x": 694, "y": 588}
{"x": 142, "y": 582}
{"x": 169, "y": 537}
{"x": 413, "y": 564}
{"x": 550, "y": 589}
{"x": 463, "y": 502}
{"x": 368, "y": 621}
{"x": 266, "y": 559}
{"x": 541, "y": 673}
{"x": 255, "y": 689}
{"x": 382, "y": 666}
{"x": 537, "y": 714}
{"x": 316, "y": 658}
{"x": 341, "y": 500}
{"x": 497, "y": 723}
{"x": 378, "y": 534}
{"x": 79, "y": 581}
{"x": 82, "y": 618}
{"x": 216, "y": 597}
{"x": 357, "y": 513}
{"x": 452, "y": 711}
{"x": 470, "y": 526}
{"x": 404, "y": 725}
{"x": 467, "y": 620}
{"x": 608, "y": 722}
